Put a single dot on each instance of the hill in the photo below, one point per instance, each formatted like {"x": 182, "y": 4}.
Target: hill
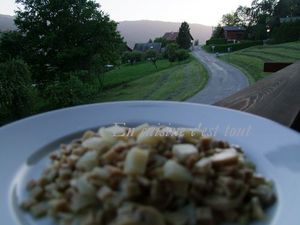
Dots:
{"x": 143, "y": 30}
{"x": 251, "y": 60}
{"x": 7, "y": 23}
{"x": 136, "y": 31}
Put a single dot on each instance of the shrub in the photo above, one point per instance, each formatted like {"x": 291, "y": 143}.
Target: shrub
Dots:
{"x": 216, "y": 41}
{"x": 17, "y": 94}
{"x": 234, "y": 47}
{"x": 182, "y": 54}
{"x": 68, "y": 93}
{"x": 132, "y": 57}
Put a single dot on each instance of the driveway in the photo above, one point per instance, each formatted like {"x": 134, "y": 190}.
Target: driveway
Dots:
{"x": 224, "y": 79}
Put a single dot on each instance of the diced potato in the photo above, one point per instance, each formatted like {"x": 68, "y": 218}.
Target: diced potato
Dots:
{"x": 97, "y": 143}
{"x": 176, "y": 172}
{"x": 203, "y": 165}
{"x": 149, "y": 136}
{"x": 83, "y": 186}
{"x": 88, "y": 161}
{"x": 183, "y": 151}
{"x": 104, "y": 193}
{"x": 136, "y": 161}
{"x": 113, "y": 131}
{"x": 227, "y": 157}
{"x": 137, "y": 130}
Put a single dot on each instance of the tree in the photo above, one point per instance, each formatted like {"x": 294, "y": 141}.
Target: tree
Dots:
{"x": 171, "y": 52}
{"x": 152, "y": 55}
{"x": 244, "y": 16}
{"x": 11, "y": 45}
{"x": 63, "y": 36}
{"x": 286, "y": 8}
{"x": 184, "y": 37}
{"x": 150, "y": 41}
{"x": 230, "y": 19}
{"x": 17, "y": 94}
{"x": 218, "y": 32}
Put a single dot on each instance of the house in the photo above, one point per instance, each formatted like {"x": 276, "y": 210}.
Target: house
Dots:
{"x": 172, "y": 36}
{"x": 143, "y": 47}
{"x": 289, "y": 19}
{"x": 234, "y": 32}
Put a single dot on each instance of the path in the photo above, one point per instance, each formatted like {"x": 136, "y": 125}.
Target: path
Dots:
{"x": 224, "y": 79}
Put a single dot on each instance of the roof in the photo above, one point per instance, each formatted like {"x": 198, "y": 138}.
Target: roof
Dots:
{"x": 233, "y": 28}
{"x": 171, "y": 36}
{"x": 145, "y": 46}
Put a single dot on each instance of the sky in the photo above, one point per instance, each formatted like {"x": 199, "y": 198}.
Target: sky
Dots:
{"x": 207, "y": 12}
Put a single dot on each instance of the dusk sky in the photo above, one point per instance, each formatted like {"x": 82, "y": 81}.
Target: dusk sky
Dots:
{"x": 207, "y": 12}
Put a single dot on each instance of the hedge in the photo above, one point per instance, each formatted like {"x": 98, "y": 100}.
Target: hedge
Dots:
{"x": 216, "y": 41}
{"x": 234, "y": 47}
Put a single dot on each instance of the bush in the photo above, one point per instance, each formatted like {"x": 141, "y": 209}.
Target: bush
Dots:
{"x": 17, "y": 94}
{"x": 182, "y": 54}
{"x": 216, "y": 41}
{"x": 68, "y": 93}
{"x": 234, "y": 47}
{"x": 132, "y": 57}
{"x": 286, "y": 32}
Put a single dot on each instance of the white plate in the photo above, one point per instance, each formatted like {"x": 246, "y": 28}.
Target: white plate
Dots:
{"x": 25, "y": 145}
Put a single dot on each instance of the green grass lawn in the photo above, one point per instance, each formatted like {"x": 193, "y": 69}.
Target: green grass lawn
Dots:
{"x": 251, "y": 60}
{"x": 128, "y": 72}
{"x": 176, "y": 82}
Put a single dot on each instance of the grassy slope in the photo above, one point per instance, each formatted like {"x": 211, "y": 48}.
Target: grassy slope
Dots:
{"x": 175, "y": 83}
{"x": 128, "y": 73}
{"x": 251, "y": 60}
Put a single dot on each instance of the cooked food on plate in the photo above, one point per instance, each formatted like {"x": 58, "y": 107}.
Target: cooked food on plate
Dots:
{"x": 149, "y": 175}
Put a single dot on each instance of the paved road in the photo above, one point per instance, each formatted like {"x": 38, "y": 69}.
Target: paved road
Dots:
{"x": 224, "y": 79}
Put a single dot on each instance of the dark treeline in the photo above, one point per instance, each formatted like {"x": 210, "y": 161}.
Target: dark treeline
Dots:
{"x": 262, "y": 20}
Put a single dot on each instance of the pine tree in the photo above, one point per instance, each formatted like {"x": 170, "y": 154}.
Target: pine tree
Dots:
{"x": 184, "y": 37}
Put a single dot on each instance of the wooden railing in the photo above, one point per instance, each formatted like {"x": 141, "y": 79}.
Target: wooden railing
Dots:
{"x": 276, "y": 97}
